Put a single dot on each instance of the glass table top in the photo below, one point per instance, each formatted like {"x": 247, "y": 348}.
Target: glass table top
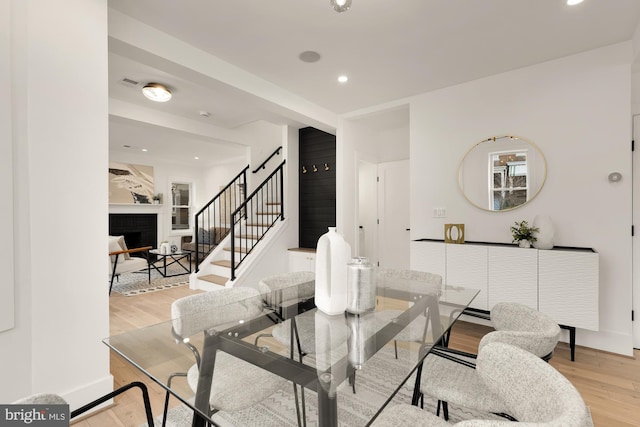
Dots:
{"x": 351, "y": 365}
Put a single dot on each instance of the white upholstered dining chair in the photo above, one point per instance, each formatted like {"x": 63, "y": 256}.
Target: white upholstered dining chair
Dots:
{"x": 418, "y": 329}
{"x": 449, "y": 375}
{"x": 236, "y": 384}
{"x": 533, "y": 392}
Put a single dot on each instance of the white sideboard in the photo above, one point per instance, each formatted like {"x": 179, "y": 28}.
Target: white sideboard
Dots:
{"x": 562, "y": 283}
{"x": 302, "y": 259}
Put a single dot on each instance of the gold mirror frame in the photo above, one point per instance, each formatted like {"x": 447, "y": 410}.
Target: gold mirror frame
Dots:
{"x": 502, "y": 141}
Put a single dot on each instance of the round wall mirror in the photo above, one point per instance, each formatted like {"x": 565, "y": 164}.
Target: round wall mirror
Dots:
{"x": 502, "y": 173}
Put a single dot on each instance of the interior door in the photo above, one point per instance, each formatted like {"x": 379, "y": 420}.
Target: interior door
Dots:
{"x": 393, "y": 214}
{"x": 367, "y": 233}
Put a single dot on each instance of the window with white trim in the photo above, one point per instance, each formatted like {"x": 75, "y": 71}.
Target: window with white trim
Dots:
{"x": 181, "y": 195}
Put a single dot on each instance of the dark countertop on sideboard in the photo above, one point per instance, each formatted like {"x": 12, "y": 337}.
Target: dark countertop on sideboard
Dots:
{"x": 555, "y": 248}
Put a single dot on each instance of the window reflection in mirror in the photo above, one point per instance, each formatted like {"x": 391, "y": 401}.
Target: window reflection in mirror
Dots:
{"x": 502, "y": 173}
{"x": 509, "y": 180}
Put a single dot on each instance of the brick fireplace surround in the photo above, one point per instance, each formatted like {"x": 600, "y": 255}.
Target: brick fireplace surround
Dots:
{"x": 138, "y": 229}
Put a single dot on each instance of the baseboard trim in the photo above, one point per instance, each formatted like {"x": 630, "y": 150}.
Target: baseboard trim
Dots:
{"x": 88, "y": 393}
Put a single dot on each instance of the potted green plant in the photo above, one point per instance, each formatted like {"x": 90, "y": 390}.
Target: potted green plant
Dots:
{"x": 523, "y": 234}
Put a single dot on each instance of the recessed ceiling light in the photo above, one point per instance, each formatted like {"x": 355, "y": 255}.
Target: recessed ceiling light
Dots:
{"x": 574, "y": 2}
{"x": 156, "y": 92}
{"x": 196, "y": 158}
{"x": 309, "y": 56}
{"x": 144, "y": 149}
{"x": 343, "y": 79}
{"x": 340, "y": 5}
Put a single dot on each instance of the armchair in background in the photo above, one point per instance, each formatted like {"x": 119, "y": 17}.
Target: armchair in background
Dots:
{"x": 121, "y": 261}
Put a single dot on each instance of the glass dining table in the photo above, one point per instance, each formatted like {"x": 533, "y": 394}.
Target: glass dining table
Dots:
{"x": 353, "y": 364}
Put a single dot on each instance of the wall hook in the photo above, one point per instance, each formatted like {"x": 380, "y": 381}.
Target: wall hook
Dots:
{"x": 326, "y": 167}
{"x": 315, "y": 169}
{"x": 304, "y": 169}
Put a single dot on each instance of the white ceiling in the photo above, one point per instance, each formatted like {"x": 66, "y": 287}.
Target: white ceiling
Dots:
{"x": 389, "y": 49}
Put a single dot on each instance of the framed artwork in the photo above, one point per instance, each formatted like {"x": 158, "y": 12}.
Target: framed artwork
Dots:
{"x": 130, "y": 184}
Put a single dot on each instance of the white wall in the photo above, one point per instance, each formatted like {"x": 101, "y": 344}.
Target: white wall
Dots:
{"x": 7, "y": 312}
{"x": 577, "y": 110}
{"x": 60, "y": 136}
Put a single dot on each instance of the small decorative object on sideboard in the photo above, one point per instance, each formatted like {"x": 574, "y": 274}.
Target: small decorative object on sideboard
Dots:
{"x": 546, "y": 233}
{"x": 454, "y": 233}
{"x": 523, "y": 234}
{"x": 156, "y": 199}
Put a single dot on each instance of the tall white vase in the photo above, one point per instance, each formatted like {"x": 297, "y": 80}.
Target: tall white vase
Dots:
{"x": 333, "y": 254}
{"x": 546, "y": 234}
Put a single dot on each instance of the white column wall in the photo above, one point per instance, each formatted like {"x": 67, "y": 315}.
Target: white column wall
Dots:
{"x": 60, "y": 138}
{"x": 577, "y": 110}
{"x": 7, "y": 312}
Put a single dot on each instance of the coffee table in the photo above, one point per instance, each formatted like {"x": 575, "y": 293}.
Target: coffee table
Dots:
{"x": 173, "y": 258}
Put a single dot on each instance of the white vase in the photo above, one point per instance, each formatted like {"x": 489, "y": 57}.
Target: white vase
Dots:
{"x": 546, "y": 232}
{"x": 165, "y": 248}
{"x": 333, "y": 254}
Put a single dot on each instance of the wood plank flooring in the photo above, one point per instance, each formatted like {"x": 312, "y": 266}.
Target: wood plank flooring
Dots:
{"x": 610, "y": 384}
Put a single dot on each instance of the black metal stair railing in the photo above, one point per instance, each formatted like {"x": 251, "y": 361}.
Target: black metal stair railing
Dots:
{"x": 263, "y": 165}
{"x": 255, "y": 216}
{"x": 214, "y": 221}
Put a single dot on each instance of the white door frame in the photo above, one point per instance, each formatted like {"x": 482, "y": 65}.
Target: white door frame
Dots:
{"x": 635, "y": 249}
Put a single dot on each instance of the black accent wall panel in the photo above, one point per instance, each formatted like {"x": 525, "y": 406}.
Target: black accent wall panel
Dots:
{"x": 317, "y": 189}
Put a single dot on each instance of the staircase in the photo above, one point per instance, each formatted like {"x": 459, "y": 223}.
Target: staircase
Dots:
{"x": 248, "y": 225}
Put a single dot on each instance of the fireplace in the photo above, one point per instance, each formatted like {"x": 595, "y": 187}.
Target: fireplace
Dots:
{"x": 138, "y": 229}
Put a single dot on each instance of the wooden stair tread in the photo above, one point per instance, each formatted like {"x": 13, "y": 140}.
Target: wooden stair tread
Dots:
{"x": 243, "y": 250}
{"x": 249, "y": 236}
{"x": 214, "y": 278}
{"x": 258, "y": 225}
{"x": 223, "y": 263}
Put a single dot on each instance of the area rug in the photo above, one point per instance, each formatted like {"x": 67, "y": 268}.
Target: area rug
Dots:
{"x": 137, "y": 283}
{"x": 372, "y": 387}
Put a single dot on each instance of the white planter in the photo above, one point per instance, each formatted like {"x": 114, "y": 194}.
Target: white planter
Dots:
{"x": 546, "y": 234}
{"x": 524, "y": 243}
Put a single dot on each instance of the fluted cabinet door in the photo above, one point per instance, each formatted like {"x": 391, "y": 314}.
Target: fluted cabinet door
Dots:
{"x": 428, "y": 257}
{"x": 467, "y": 267}
{"x": 513, "y": 276}
{"x": 568, "y": 287}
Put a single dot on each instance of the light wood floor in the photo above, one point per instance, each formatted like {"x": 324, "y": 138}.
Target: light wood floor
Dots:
{"x": 610, "y": 384}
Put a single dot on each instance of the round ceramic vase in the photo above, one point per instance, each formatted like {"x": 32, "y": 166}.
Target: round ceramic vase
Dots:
{"x": 546, "y": 234}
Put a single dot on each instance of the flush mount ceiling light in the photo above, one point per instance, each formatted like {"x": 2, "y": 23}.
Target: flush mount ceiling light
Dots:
{"x": 156, "y": 92}
{"x": 340, "y": 5}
